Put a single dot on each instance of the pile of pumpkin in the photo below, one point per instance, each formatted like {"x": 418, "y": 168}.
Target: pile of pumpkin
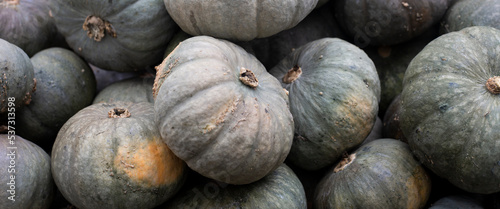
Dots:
{"x": 250, "y": 104}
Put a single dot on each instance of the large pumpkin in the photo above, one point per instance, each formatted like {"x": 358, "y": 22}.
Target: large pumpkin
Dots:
{"x": 138, "y": 89}
{"x": 238, "y": 20}
{"x": 17, "y": 80}
{"x": 450, "y": 108}
{"x": 27, "y": 24}
{"x": 380, "y": 174}
{"x": 65, "y": 85}
{"x": 219, "y": 110}
{"x": 25, "y": 176}
{"x": 467, "y": 13}
{"x": 110, "y": 155}
{"x": 125, "y": 35}
{"x": 334, "y": 92}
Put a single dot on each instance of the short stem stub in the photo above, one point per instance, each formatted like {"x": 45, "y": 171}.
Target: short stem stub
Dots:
{"x": 493, "y": 85}
{"x": 292, "y": 75}
{"x": 119, "y": 113}
{"x": 344, "y": 162}
{"x": 97, "y": 28}
{"x": 248, "y": 78}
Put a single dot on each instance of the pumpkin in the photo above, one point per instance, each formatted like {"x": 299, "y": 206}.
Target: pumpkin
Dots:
{"x": 125, "y": 36}
{"x": 65, "y": 85}
{"x": 138, "y": 89}
{"x": 111, "y": 155}
{"x": 450, "y": 108}
{"x": 104, "y": 78}
{"x": 280, "y": 189}
{"x": 457, "y": 202}
{"x": 388, "y": 22}
{"x": 219, "y": 110}
{"x": 178, "y": 37}
{"x": 17, "y": 78}
{"x": 467, "y": 13}
{"x": 243, "y": 21}
{"x": 334, "y": 92}
{"x": 25, "y": 176}
{"x": 379, "y": 174}
{"x": 376, "y": 132}
{"x": 391, "y": 125}
{"x": 27, "y": 24}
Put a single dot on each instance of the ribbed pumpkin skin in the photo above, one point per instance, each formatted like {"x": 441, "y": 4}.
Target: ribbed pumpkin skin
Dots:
{"x": 222, "y": 128}
{"x": 334, "y": 101}
{"x": 447, "y": 114}
{"x": 242, "y": 20}
{"x": 34, "y": 187}
{"x": 65, "y": 85}
{"x": 101, "y": 162}
{"x": 384, "y": 174}
{"x": 143, "y": 29}
{"x": 280, "y": 189}
{"x": 16, "y": 76}
{"x": 138, "y": 89}
{"x": 27, "y": 24}
{"x": 467, "y": 13}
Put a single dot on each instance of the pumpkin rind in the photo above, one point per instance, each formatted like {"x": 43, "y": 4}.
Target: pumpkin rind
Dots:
{"x": 447, "y": 114}
{"x": 383, "y": 174}
{"x": 243, "y": 20}
{"x": 138, "y": 89}
{"x": 467, "y": 13}
{"x": 223, "y": 128}
{"x": 32, "y": 186}
{"x": 104, "y": 159}
{"x": 334, "y": 101}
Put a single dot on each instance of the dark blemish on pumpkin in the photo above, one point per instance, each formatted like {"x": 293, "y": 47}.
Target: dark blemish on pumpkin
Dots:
{"x": 367, "y": 148}
{"x": 453, "y": 85}
{"x": 443, "y": 108}
{"x": 192, "y": 18}
{"x": 366, "y": 82}
{"x": 265, "y": 109}
{"x": 417, "y": 130}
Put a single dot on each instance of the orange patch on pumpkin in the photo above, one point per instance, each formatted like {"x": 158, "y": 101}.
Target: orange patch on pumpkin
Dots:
{"x": 418, "y": 187}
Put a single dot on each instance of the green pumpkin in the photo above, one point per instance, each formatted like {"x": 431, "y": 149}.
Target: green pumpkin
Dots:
{"x": 467, "y": 13}
{"x": 380, "y": 174}
{"x": 27, "y": 24}
{"x": 334, "y": 92}
{"x": 138, "y": 89}
{"x": 392, "y": 125}
{"x": 17, "y": 78}
{"x": 450, "y": 108}
{"x": 110, "y": 155}
{"x": 242, "y": 20}
{"x": 25, "y": 176}
{"x": 65, "y": 85}
{"x": 126, "y": 35}
{"x": 219, "y": 110}
{"x": 457, "y": 202}
{"x": 280, "y": 189}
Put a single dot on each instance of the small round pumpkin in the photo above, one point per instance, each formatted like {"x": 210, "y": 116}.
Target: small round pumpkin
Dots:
{"x": 242, "y": 20}
{"x": 138, "y": 89}
{"x": 111, "y": 155}
{"x": 219, "y": 110}
{"x": 25, "y": 176}
{"x": 334, "y": 92}
{"x": 125, "y": 35}
{"x": 450, "y": 108}
{"x": 280, "y": 189}
{"x": 17, "y": 80}
{"x": 380, "y": 174}
{"x": 467, "y": 13}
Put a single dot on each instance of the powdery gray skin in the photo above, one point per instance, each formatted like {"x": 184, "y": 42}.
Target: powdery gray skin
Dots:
{"x": 467, "y": 13}
{"x": 448, "y": 116}
{"x": 242, "y": 20}
{"x": 138, "y": 89}
{"x": 222, "y": 128}
{"x": 334, "y": 101}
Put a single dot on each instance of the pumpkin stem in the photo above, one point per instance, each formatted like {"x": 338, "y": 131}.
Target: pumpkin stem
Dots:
{"x": 292, "y": 75}
{"x": 248, "y": 78}
{"x": 493, "y": 85}
{"x": 119, "y": 113}
{"x": 97, "y": 28}
{"x": 344, "y": 162}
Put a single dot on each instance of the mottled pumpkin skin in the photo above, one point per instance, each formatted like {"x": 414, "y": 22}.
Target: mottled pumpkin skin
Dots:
{"x": 384, "y": 174}
{"x": 223, "y": 128}
{"x": 138, "y": 89}
{"x": 447, "y": 114}
{"x": 467, "y": 13}
{"x": 34, "y": 187}
{"x": 142, "y": 28}
{"x": 388, "y": 22}
{"x": 27, "y": 24}
{"x": 101, "y": 162}
{"x": 334, "y": 102}
{"x": 242, "y": 20}
{"x": 280, "y": 189}
{"x": 65, "y": 85}
{"x": 16, "y": 76}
